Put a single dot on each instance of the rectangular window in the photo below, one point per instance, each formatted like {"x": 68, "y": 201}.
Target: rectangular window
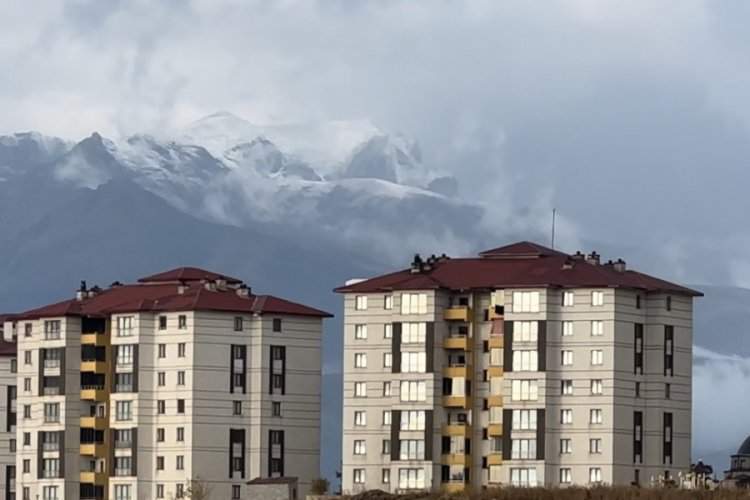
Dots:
{"x": 162, "y": 351}
{"x": 413, "y": 391}
{"x": 122, "y": 492}
{"x": 13, "y": 365}
{"x": 180, "y": 406}
{"x": 159, "y": 491}
{"x": 360, "y": 302}
{"x": 597, "y": 328}
{"x": 413, "y": 362}
{"x": 638, "y": 389}
{"x": 276, "y": 409}
{"x": 667, "y": 391}
{"x": 125, "y": 326}
{"x": 180, "y": 465}
{"x": 276, "y": 326}
{"x": 386, "y": 389}
{"x": 668, "y": 350}
{"x": 162, "y": 322}
{"x": 181, "y": 350}
{"x": 160, "y": 435}
{"x": 27, "y": 384}
{"x": 524, "y": 420}
{"x": 360, "y": 332}
{"x": 27, "y": 329}
{"x": 411, "y": 479}
{"x": 387, "y": 360}
{"x": 387, "y": 417}
{"x": 595, "y": 446}
{"x": 597, "y": 298}
{"x": 413, "y": 333}
{"x": 568, "y": 299}
{"x": 236, "y": 491}
{"x": 566, "y": 477}
{"x": 27, "y": 357}
{"x": 595, "y": 475}
{"x": 125, "y": 354}
{"x": 413, "y": 303}
{"x": 526, "y": 302}
{"x": 566, "y": 387}
{"x": 238, "y": 323}
{"x": 596, "y": 387}
{"x": 388, "y": 331}
{"x": 525, "y": 331}
{"x": 567, "y": 328}
{"x": 159, "y": 463}
{"x": 597, "y": 357}
{"x": 637, "y": 437}
{"x": 595, "y": 416}
{"x": 638, "y": 349}
{"x": 161, "y": 407}
{"x": 566, "y": 416}
{"x": 237, "y": 408}
{"x": 359, "y": 447}
{"x": 123, "y": 382}
{"x": 180, "y": 490}
{"x": 360, "y": 360}
{"x": 181, "y": 378}
{"x": 525, "y": 361}
{"x": 386, "y": 476}
{"x": 26, "y": 411}
{"x": 412, "y": 420}
{"x": 566, "y": 446}
{"x": 182, "y": 322}
{"x": 359, "y": 476}
{"x": 669, "y": 303}
{"x": 49, "y": 493}
{"x": 388, "y": 302}
{"x": 524, "y": 390}
{"x": 123, "y": 410}
{"x": 161, "y": 379}
{"x": 51, "y": 412}
{"x": 52, "y": 330}
{"x": 411, "y": 449}
{"x": 637, "y": 301}
{"x": 360, "y": 418}
{"x": 26, "y": 466}
{"x": 523, "y": 477}
{"x": 123, "y": 466}
{"x": 566, "y": 358}
{"x": 360, "y": 389}
{"x": 667, "y": 439}
{"x": 180, "y": 434}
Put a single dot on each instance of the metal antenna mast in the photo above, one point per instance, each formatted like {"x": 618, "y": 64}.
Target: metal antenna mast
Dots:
{"x": 553, "y": 228}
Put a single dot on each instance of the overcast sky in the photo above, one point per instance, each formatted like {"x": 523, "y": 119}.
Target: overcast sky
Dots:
{"x": 632, "y": 118}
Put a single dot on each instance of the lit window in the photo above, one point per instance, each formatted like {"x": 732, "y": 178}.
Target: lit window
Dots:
{"x": 566, "y": 446}
{"x": 411, "y": 449}
{"x": 597, "y": 357}
{"x": 388, "y": 302}
{"x": 566, "y": 387}
{"x": 386, "y": 389}
{"x": 565, "y": 476}
{"x": 413, "y": 333}
{"x": 595, "y": 416}
{"x": 360, "y": 302}
{"x": 597, "y": 298}
{"x": 359, "y": 476}
{"x": 595, "y": 475}
{"x": 360, "y": 418}
{"x": 524, "y": 390}
{"x": 411, "y": 479}
{"x": 525, "y": 331}
{"x": 566, "y": 416}
{"x": 413, "y": 362}
{"x": 413, "y": 303}
{"x": 568, "y": 299}
{"x": 387, "y": 360}
{"x": 595, "y": 446}
{"x": 360, "y": 389}
{"x": 359, "y": 447}
{"x": 566, "y": 358}
{"x": 360, "y": 360}
{"x": 412, "y": 420}
{"x": 360, "y": 332}
{"x": 567, "y": 328}
{"x": 413, "y": 391}
{"x": 387, "y": 417}
{"x": 525, "y": 302}
{"x": 388, "y": 331}
{"x": 523, "y": 477}
{"x": 124, "y": 326}
{"x": 596, "y": 387}
{"x": 525, "y": 361}
{"x": 597, "y": 328}
{"x": 524, "y": 420}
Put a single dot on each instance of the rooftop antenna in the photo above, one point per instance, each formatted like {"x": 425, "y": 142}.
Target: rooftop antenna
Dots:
{"x": 553, "y": 228}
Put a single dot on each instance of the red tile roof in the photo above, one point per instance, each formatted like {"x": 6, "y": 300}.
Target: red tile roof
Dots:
{"x": 162, "y": 293}
{"x": 523, "y": 264}
{"x": 7, "y": 348}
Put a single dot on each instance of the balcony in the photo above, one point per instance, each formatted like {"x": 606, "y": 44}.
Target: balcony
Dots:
{"x": 457, "y": 402}
{"x": 98, "y": 423}
{"x": 457, "y": 370}
{"x": 495, "y": 430}
{"x": 458, "y": 429}
{"x": 93, "y": 449}
{"x": 94, "y": 366}
{"x": 495, "y": 371}
{"x": 496, "y": 342}
{"x": 460, "y": 342}
{"x": 458, "y": 458}
{"x": 494, "y": 459}
{"x": 495, "y": 401}
{"x": 458, "y": 313}
{"x": 93, "y": 393}
{"x": 91, "y": 477}
{"x": 496, "y": 312}
{"x": 101, "y": 339}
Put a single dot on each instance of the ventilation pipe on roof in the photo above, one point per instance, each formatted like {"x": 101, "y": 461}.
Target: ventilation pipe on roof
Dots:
{"x": 94, "y": 291}
{"x": 568, "y": 264}
{"x": 82, "y": 292}
{"x": 620, "y": 266}
{"x": 578, "y": 256}
{"x": 593, "y": 259}
{"x": 243, "y": 291}
{"x": 182, "y": 288}
{"x": 221, "y": 284}
{"x": 417, "y": 264}
{"x": 115, "y": 284}
{"x": 210, "y": 286}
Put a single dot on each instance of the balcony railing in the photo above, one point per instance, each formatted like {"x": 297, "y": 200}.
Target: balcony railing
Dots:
{"x": 123, "y": 444}
{"x": 52, "y": 335}
{"x": 51, "y": 391}
{"x": 47, "y": 473}
{"x": 51, "y": 446}
{"x": 52, "y": 363}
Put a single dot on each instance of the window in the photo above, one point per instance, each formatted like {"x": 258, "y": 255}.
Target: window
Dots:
{"x": 637, "y": 437}
{"x": 180, "y": 490}
{"x": 181, "y": 350}
{"x": 566, "y": 416}
{"x": 566, "y": 387}
{"x": 360, "y": 302}
{"x": 26, "y": 411}
{"x": 566, "y": 358}
{"x": 595, "y": 416}
{"x": 386, "y": 447}
{"x": 524, "y": 390}
{"x": 360, "y": 418}
{"x": 360, "y": 360}
{"x": 412, "y": 420}
{"x": 388, "y": 302}
{"x": 27, "y": 328}
{"x": 27, "y": 466}
{"x": 27, "y": 439}
{"x": 386, "y": 476}
{"x": 236, "y": 491}
{"x": 359, "y": 447}
{"x": 160, "y": 435}
{"x": 567, "y": 328}
{"x": 49, "y": 493}
{"x": 182, "y": 322}
{"x": 51, "y": 467}
{"x": 638, "y": 389}
{"x": 159, "y": 491}
{"x": 388, "y": 331}
{"x": 638, "y": 349}
{"x": 180, "y": 406}
{"x": 387, "y": 389}
{"x": 566, "y": 446}
{"x": 51, "y": 330}
{"x": 125, "y": 326}
{"x": 180, "y": 462}
{"x": 26, "y": 493}
{"x": 525, "y": 331}
{"x": 162, "y": 351}
{"x": 668, "y": 350}
{"x": 568, "y": 299}
{"x": 669, "y": 303}
{"x": 597, "y": 298}
{"x": 27, "y": 384}
{"x": 13, "y": 365}
{"x": 524, "y": 420}
{"x": 411, "y": 479}
{"x": 387, "y": 360}
{"x": 12, "y": 445}
{"x": 667, "y": 391}
{"x": 637, "y": 301}
{"x": 51, "y": 412}
{"x": 597, "y": 357}
{"x": 180, "y": 434}
{"x": 413, "y": 362}
{"x": 667, "y": 438}
{"x": 122, "y": 492}
{"x": 161, "y": 378}
{"x": 387, "y": 417}
{"x": 276, "y": 409}
{"x": 359, "y": 476}
{"x": 411, "y": 449}
{"x": 237, "y": 408}
{"x": 360, "y": 332}
{"x": 413, "y": 333}
{"x": 595, "y": 475}
{"x": 161, "y": 407}
{"x": 523, "y": 477}
{"x": 597, "y": 328}
{"x": 125, "y": 354}
{"x": 162, "y": 326}
{"x": 413, "y": 303}
{"x": 360, "y": 389}
{"x": 413, "y": 391}
{"x": 565, "y": 476}
{"x": 595, "y": 446}
{"x": 159, "y": 463}
{"x": 123, "y": 410}
{"x": 181, "y": 378}
{"x": 276, "y": 326}
{"x": 27, "y": 357}
{"x": 596, "y": 387}
{"x": 525, "y": 302}
{"x": 525, "y": 361}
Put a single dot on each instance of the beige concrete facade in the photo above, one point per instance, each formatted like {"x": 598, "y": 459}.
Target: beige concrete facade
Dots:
{"x": 8, "y": 392}
{"x": 483, "y": 363}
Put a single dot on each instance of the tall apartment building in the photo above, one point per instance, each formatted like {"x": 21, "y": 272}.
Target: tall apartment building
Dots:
{"x": 8, "y": 364}
{"x": 524, "y": 366}
{"x": 129, "y": 392}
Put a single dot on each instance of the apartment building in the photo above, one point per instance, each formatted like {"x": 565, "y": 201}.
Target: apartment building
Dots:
{"x": 524, "y": 366}
{"x": 129, "y": 392}
{"x": 8, "y": 363}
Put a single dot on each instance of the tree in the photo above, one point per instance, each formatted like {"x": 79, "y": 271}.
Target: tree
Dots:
{"x": 196, "y": 489}
{"x": 319, "y": 486}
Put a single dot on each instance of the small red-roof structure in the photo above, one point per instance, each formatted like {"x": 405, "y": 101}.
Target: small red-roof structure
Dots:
{"x": 183, "y": 289}
{"x": 520, "y": 265}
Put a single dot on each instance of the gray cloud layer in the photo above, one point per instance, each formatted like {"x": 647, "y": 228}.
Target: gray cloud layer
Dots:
{"x": 631, "y": 117}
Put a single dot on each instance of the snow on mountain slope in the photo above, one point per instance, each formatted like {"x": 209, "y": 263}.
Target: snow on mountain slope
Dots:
{"x": 263, "y": 156}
